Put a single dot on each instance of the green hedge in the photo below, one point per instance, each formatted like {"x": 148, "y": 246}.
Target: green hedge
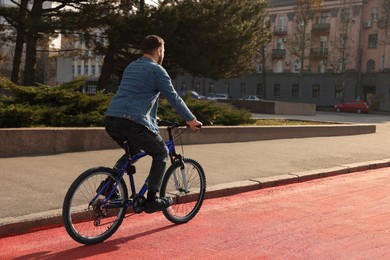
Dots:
{"x": 66, "y": 106}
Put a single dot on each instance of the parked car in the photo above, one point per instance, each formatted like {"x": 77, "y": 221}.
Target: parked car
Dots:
{"x": 193, "y": 94}
{"x": 250, "y": 98}
{"x": 358, "y": 106}
{"x": 219, "y": 96}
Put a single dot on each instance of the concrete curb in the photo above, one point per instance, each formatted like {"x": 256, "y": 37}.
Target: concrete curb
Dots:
{"x": 50, "y": 219}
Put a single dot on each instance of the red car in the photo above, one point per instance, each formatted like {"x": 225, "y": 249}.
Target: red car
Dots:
{"x": 358, "y": 106}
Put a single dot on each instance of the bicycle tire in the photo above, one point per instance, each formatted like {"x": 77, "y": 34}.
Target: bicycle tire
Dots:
{"x": 89, "y": 224}
{"x": 185, "y": 204}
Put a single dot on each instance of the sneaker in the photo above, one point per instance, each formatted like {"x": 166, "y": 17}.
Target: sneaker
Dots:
{"x": 158, "y": 204}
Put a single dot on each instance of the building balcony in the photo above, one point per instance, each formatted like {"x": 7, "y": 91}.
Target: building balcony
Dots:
{"x": 321, "y": 27}
{"x": 280, "y": 30}
{"x": 278, "y": 53}
{"x": 318, "y": 52}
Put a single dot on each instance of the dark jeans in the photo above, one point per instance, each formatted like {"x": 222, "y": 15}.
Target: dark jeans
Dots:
{"x": 139, "y": 137}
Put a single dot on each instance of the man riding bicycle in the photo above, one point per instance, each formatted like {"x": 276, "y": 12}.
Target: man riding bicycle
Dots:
{"x": 132, "y": 114}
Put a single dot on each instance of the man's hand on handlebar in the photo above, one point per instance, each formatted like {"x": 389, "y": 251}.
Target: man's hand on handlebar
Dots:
{"x": 194, "y": 124}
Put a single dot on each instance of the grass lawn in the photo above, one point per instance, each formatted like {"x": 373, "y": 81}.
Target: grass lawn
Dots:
{"x": 277, "y": 122}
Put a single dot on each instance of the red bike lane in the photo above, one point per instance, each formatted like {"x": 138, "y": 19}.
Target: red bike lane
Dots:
{"x": 340, "y": 217}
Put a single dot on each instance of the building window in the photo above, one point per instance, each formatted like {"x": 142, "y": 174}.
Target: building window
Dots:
{"x": 321, "y": 67}
{"x": 338, "y": 92}
{"x": 227, "y": 87}
{"x": 242, "y": 88}
{"x": 295, "y": 90}
{"x": 297, "y": 66}
{"x": 371, "y": 66}
{"x": 91, "y": 89}
{"x": 372, "y": 41}
{"x": 278, "y": 66}
{"x": 316, "y": 91}
{"x": 197, "y": 87}
{"x": 259, "y": 90}
{"x": 375, "y": 14}
{"x": 389, "y": 97}
{"x": 276, "y": 90}
{"x": 323, "y": 45}
{"x": 324, "y": 19}
{"x": 259, "y": 68}
{"x": 211, "y": 87}
{"x": 280, "y": 45}
{"x": 282, "y": 23}
{"x": 345, "y": 14}
{"x": 183, "y": 86}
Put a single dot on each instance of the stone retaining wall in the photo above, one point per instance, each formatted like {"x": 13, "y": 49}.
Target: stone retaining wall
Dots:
{"x": 274, "y": 107}
{"x": 42, "y": 141}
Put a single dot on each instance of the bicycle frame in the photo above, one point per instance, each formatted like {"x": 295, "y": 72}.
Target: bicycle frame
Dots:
{"x": 128, "y": 163}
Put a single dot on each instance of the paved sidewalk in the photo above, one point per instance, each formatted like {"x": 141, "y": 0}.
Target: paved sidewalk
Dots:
{"x": 32, "y": 188}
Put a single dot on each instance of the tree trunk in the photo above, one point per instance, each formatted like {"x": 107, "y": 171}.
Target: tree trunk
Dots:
{"x": 264, "y": 84}
{"x": 31, "y": 60}
{"x": 31, "y": 44}
{"x": 342, "y": 98}
{"x": 17, "y": 60}
{"x": 302, "y": 54}
{"x": 142, "y": 6}
{"x": 20, "y": 40}
{"x": 106, "y": 72}
{"x": 263, "y": 71}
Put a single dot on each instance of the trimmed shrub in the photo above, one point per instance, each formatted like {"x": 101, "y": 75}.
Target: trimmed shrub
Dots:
{"x": 66, "y": 106}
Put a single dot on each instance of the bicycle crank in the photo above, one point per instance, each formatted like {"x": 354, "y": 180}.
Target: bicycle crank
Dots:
{"x": 139, "y": 204}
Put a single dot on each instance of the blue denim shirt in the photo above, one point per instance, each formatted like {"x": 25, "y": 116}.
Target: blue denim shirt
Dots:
{"x": 137, "y": 96}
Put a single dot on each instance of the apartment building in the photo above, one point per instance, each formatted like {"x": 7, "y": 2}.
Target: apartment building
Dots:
{"x": 329, "y": 72}
{"x": 78, "y": 60}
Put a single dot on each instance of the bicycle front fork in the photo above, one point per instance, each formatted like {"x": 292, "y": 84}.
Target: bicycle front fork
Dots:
{"x": 183, "y": 171}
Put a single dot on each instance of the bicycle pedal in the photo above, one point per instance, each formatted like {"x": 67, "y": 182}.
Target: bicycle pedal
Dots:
{"x": 130, "y": 169}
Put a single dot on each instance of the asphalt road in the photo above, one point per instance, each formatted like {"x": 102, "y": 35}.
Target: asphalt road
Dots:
{"x": 340, "y": 217}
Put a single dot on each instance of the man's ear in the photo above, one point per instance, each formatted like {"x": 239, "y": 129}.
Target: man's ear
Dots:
{"x": 159, "y": 50}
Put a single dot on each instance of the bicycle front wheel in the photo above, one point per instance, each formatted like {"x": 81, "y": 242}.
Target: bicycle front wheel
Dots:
{"x": 186, "y": 186}
{"x": 87, "y": 218}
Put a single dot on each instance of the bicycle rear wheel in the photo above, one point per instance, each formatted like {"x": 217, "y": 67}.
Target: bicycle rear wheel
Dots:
{"x": 187, "y": 188}
{"x": 87, "y": 220}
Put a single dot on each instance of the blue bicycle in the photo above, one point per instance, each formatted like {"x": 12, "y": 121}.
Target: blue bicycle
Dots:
{"x": 97, "y": 201}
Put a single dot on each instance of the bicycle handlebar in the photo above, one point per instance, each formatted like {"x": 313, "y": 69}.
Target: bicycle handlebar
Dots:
{"x": 173, "y": 125}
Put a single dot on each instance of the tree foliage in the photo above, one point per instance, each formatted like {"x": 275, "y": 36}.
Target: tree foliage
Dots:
{"x": 342, "y": 44}
{"x": 384, "y": 23}
{"x": 36, "y": 22}
{"x": 299, "y": 42}
{"x": 206, "y": 38}
{"x": 123, "y": 29}
{"x": 218, "y": 39}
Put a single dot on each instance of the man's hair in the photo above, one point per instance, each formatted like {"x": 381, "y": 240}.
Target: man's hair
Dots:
{"x": 151, "y": 43}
